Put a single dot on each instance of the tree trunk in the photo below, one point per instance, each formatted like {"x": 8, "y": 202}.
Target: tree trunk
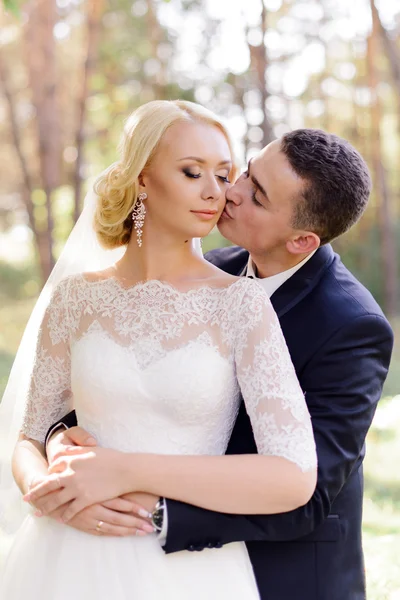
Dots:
{"x": 155, "y": 35}
{"x": 42, "y": 69}
{"x": 94, "y": 12}
{"x": 258, "y": 64}
{"x": 388, "y": 246}
{"x": 389, "y": 45}
{"x": 323, "y": 96}
{"x": 27, "y": 188}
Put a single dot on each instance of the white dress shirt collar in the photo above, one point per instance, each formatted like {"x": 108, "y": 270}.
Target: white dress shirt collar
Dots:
{"x": 272, "y": 283}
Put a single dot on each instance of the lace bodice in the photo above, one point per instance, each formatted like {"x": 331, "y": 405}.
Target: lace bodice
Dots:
{"x": 150, "y": 368}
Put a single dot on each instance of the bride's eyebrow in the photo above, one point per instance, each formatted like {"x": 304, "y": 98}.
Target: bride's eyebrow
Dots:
{"x": 203, "y": 162}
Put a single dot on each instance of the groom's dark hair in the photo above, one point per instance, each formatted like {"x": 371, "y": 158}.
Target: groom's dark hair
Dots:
{"x": 337, "y": 182}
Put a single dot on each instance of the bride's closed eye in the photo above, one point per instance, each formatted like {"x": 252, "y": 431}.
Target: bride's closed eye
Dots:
{"x": 192, "y": 175}
{"x": 198, "y": 175}
{"x": 224, "y": 179}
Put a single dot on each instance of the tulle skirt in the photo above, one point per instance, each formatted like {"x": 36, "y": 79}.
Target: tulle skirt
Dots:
{"x": 50, "y": 561}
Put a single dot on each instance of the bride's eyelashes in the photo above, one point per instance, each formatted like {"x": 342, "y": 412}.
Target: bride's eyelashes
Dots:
{"x": 198, "y": 175}
{"x": 192, "y": 175}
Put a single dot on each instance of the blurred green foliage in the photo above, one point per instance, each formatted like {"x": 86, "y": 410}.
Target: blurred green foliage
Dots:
{"x": 18, "y": 282}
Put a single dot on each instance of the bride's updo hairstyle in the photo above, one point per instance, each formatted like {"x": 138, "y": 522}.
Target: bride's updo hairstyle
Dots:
{"x": 118, "y": 186}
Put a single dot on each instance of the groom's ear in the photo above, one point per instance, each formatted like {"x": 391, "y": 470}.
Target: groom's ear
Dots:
{"x": 303, "y": 242}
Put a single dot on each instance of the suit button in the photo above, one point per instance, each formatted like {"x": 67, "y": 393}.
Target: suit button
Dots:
{"x": 218, "y": 545}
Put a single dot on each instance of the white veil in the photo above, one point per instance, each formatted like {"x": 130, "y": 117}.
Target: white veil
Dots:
{"x": 82, "y": 252}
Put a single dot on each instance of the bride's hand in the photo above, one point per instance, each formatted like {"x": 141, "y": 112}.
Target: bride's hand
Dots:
{"x": 80, "y": 480}
{"x": 118, "y": 517}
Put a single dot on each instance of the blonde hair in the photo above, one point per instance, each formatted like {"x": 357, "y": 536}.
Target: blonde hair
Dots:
{"x": 118, "y": 186}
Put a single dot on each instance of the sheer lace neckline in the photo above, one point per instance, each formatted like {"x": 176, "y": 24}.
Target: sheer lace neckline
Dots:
{"x": 158, "y": 284}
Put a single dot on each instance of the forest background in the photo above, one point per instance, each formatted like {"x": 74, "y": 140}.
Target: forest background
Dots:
{"x": 72, "y": 70}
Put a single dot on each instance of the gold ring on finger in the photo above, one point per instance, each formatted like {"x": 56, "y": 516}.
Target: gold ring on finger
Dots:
{"x": 99, "y": 526}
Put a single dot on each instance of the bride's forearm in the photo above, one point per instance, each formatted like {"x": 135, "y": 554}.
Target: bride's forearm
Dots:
{"x": 28, "y": 462}
{"x": 251, "y": 484}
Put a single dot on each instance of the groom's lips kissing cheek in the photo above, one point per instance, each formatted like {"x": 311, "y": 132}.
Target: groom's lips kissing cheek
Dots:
{"x": 225, "y": 213}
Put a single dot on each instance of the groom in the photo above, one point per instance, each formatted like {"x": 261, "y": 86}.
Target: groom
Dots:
{"x": 298, "y": 194}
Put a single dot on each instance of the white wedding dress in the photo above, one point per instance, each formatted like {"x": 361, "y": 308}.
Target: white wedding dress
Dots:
{"x": 149, "y": 368}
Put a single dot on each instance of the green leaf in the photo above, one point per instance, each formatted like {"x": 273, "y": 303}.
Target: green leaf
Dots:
{"x": 12, "y": 7}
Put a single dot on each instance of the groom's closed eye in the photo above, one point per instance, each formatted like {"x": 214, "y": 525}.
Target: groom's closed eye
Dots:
{"x": 254, "y": 199}
{"x": 255, "y": 181}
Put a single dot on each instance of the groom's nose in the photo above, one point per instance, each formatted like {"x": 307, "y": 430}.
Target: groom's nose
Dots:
{"x": 234, "y": 193}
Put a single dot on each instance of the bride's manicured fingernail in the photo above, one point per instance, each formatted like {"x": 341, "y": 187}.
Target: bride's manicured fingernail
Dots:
{"x": 143, "y": 513}
{"x": 26, "y": 498}
{"x": 140, "y": 533}
{"x": 38, "y": 513}
{"x": 149, "y": 528}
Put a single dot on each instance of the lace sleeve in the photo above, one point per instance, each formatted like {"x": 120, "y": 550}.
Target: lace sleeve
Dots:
{"x": 274, "y": 400}
{"x": 49, "y": 396}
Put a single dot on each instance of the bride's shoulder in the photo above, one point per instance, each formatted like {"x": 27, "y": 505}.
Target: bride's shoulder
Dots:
{"x": 236, "y": 285}
{"x": 251, "y": 297}
{"x": 219, "y": 279}
{"x": 73, "y": 286}
{"x": 244, "y": 285}
{"x": 96, "y": 276}
{"x": 76, "y": 280}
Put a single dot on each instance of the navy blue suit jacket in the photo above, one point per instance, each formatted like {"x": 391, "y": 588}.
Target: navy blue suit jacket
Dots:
{"x": 340, "y": 344}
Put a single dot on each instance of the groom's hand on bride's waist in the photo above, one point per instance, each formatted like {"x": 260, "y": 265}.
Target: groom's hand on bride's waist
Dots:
{"x": 62, "y": 440}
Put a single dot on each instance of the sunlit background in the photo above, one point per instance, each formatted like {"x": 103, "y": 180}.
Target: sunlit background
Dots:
{"x": 72, "y": 70}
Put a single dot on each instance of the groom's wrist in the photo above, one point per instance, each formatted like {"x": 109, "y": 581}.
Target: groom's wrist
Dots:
{"x": 157, "y": 516}
{"x": 53, "y": 431}
{"x": 162, "y": 535}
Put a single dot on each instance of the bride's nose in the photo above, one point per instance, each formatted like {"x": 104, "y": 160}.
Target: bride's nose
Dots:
{"x": 211, "y": 190}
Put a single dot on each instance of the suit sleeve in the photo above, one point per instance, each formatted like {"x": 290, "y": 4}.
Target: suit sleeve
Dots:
{"x": 343, "y": 383}
{"x": 68, "y": 421}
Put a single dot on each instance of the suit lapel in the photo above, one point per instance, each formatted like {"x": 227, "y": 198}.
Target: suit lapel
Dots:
{"x": 302, "y": 282}
{"x": 299, "y": 285}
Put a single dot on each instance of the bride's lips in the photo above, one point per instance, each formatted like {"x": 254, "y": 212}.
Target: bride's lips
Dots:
{"x": 205, "y": 214}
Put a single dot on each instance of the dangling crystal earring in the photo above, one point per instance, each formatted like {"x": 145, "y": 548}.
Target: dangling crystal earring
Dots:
{"x": 138, "y": 214}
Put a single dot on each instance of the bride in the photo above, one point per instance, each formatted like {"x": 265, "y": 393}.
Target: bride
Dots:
{"x": 152, "y": 350}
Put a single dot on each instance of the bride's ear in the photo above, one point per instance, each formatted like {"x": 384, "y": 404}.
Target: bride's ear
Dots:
{"x": 141, "y": 180}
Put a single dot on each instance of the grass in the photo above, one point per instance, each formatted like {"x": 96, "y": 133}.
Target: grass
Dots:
{"x": 381, "y": 523}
